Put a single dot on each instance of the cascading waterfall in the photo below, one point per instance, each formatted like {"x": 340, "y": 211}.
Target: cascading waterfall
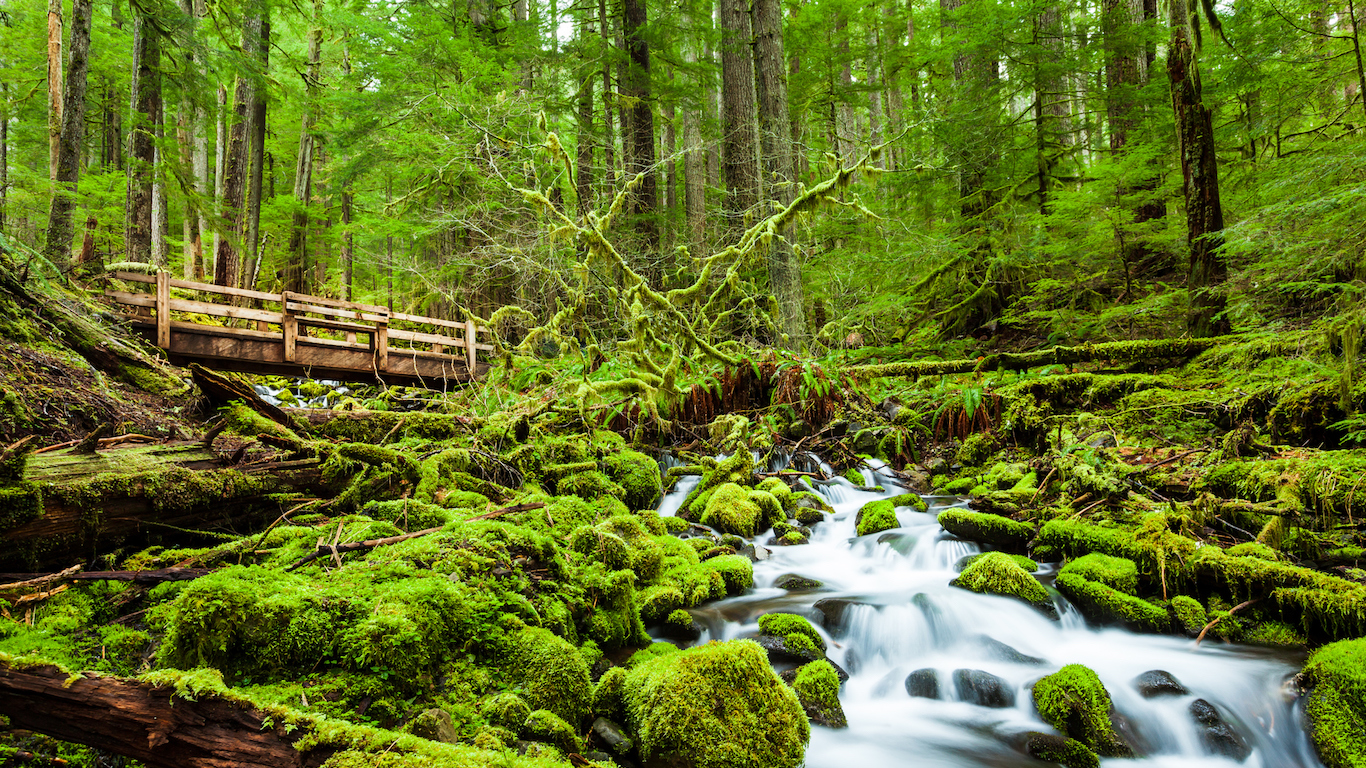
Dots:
{"x": 888, "y": 610}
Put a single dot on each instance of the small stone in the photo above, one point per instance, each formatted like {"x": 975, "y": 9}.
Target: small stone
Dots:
{"x": 1217, "y": 736}
{"x": 435, "y": 724}
{"x": 794, "y": 583}
{"x": 1157, "y": 682}
{"x": 923, "y": 683}
{"x": 1052, "y": 748}
{"x": 1000, "y": 651}
{"x": 832, "y": 611}
{"x": 612, "y": 736}
{"x": 837, "y": 428}
{"x": 983, "y": 688}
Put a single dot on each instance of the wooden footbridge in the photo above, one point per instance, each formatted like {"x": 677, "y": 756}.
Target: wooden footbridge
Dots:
{"x": 307, "y": 336}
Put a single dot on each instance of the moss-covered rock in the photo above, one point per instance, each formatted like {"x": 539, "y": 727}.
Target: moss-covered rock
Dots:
{"x": 1189, "y": 614}
{"x": 795, "y": 630}
{"x": 818, "y": 689}
{"x": 994, "y": 573}
{"x": 1337, "y": 703}
{"x": 1066, "y": 752}
{"x": 987, "y": 528}
{"x": 1028, "y": 565}
{"x": 1114, "y": 572}
{"x": 544, "y": 725}
{"x": 1100, "y": 601}
{"x": 730, "y": 509}
{"x": 876, "y": 517}
{"x": 750, "y": 720}
{"x": 550, "y": 672}
{"x": 1074, "y": 701}
{"x": 637, "y": 475}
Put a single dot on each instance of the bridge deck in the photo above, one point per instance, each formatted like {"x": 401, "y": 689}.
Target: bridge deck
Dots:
{"x": 308, "y": 336}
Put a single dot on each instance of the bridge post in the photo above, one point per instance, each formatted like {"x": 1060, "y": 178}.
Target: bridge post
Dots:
{"x": 163, "y": 310}
{"x": 289, "y": 325}
{"x": 471, "y": 338}
{"x": 381, "y": 344}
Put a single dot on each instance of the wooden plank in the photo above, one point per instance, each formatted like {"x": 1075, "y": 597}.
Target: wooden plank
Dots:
{"x": 334, "y": 325}
{"x": 425, "y": 338}
{"x": 132, "y": 299}
{"x": 225, "y": 290}
{"x": 427, "y": 320}
{"x": 201, "y": 307}
{"x": 295, "y": 306}
{"x": 163, "y": 310}
{"x": 340, "y": 304}
{"x": 134, "y": 277}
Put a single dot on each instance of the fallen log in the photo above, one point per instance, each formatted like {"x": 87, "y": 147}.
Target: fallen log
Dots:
{"x": 148, "y": 723}
{"x": 144, "y": 578}
{"x": 221, "y": 390}
{"x": 1110, "y": 351}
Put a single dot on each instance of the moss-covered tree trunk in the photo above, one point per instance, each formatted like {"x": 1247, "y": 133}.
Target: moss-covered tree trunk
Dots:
{"x": 146, "y": 100}
{"x": 59, "y": 223}
{"x": 1200, "y": 174}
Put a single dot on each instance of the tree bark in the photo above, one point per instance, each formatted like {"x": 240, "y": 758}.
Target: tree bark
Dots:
{"x": 146, "y": 100}
{"x": 149, "y": 724}
{"x": 609, "y": 141}
{"x": 739, "y": 161}
{"x": 775, "y": 141}
{"x": 258, "y": 156}
{"x": 60, "y": 226}
{"x": 583, "y": 172}
{"x": 973, "y": 108}
{"x": 297, "y": 264}
{"x": 1200, "y": 176}
{"x": 842, "y": 119}
{"x": 645, "y": 201}
{"x": 194, "y": 149}
{"x": 54, "y": 84}
{"x": 4, "y": 153}
{"x": 236, "y": 167}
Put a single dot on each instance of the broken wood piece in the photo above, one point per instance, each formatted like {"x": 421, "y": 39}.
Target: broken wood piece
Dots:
{"x": 222, "y": 390}
{"x": 91, "y": 442}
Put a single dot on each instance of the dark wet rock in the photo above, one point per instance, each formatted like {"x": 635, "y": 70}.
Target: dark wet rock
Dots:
{"x": 1052, "y": 748}
{"x": 934, "y": 618}
{"x": 890, "y": 538}
{"x": 832, "y": 611}
{"x": 798, "y": 430}
{"x": 795, "y": 583}
{"x": 1157, "y": 682}
{"x": 715, "y": 552}
{"x": 865, "y": 441}
{"x": 1217, "y": 736}
{"x": 923, "y": 683}
{"x": 851, "y": 660}
{"x": 779, "y": 652}
{"x": 837, "y": 428}
{"x": 983, "y": 688}
{"x": 936, "y": 466}
{"x": 612, "y": 736}
{"x": 1002, "y": 652}
{"x": 435, "y": 724}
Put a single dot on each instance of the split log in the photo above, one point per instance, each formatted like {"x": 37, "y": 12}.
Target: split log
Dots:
{"x": 1111, "y": 351}
{"x": 147, "y": 723}
{"x": 221, "y": 390}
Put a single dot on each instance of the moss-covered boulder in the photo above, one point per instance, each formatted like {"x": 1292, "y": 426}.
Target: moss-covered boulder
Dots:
{"x": 1074, "y": 701}
{"x": 719, "y": 705}
{"x": 818, "y": 689}
{"x": 995, "y": 573}
{"x": 550, "y": 672}
{"x": 731, "y": 509}
{"x": 1100, "y": 601}
{"x": 1336, "y": 709}
{"x": 1052, "y": 748}
{"x": 637, "y": 474}
{"x": 1188, "y": 614}
{"x": 796, "y": 631}
{"x": 876, "y": 517}
{"x": 990, "y": 529}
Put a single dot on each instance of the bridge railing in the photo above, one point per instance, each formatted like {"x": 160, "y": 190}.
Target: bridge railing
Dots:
{"x": 319, "y": 319}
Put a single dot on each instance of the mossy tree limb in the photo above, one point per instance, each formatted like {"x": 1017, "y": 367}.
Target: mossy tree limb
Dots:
{"x": 1113, "y": 351}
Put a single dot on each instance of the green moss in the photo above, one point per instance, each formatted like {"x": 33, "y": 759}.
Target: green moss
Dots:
{"x": 990, "y": 529}
{"x": 1104, "y": 603}
{"x": 1074, "y": 701}
{"x": 854, "y": 475}
{"x": 1323, "y": 605}
{"x": 1337, "y": 703}
{"x": 876, "y": 516}
{"x": 751, "y": 718}
{"x": 1066, "y": 752}
{"x": 730, "y": 509}
{"x": 994, "y": 573}
{"x": 649, "y": 652}
{"x": 544, "y": 725}
{"x": 1028, "y": 565}
{"x": 1190, "y": 614}
{"x": 20, "y": 503}
{"x": 410, "y": 515}
{"x": 1275, "y": 634}
{"x": 637, "y": 474}
{"x": 789, "y": 626}
{"x": 608, "y": 694}
{"x": 550, "y": 672}
{"x": 1153, "y": 547}
{"x": 1115, "y": 572}
{"x": 1254, "y": 549}
{"x": 818, "y": 689}
{"x": 507, "y": 710}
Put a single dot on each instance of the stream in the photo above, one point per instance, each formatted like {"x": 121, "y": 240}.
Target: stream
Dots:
{"x": 901, "y": 615}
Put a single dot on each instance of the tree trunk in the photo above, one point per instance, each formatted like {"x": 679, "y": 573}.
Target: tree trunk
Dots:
{"x": 54, "y": 84}
{"x": 843, "y": 117}
{"x": 739, "y": 162}
{"x": 1050, "y": 102}
{"x": 775, "y": 141}
{"x": 1200, "y": 175}
{"x": 60, "y": 227}
{"x": 296, "y": 266}
{"x": 642, "y": 157}
{"x": 220, "y": 165}
{"x": 583, "y": 172}
{"x": 348, "y": 240}
{"x": 973, "y": 108}
{"x": 258, "y": 156}
{"x": 194, "y": 148}
{"x": 159, "y": 188}
{"x": 874, "y": 84}
{"x": 4, "y": 152}
{"x": 609, "y": 141}
{"x": 236, "y": 165}
{"x": 146, "y": 100}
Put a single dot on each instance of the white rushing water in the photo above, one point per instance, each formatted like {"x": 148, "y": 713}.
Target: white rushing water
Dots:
{"x": 903, "y": 616}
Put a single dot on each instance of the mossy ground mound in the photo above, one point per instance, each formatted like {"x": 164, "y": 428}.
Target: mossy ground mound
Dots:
{"x": 1337, "y": 703}
{"x": 995, "y": 573}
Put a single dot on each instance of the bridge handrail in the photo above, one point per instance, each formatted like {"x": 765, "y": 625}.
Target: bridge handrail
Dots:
{"x": 293, "y": 318}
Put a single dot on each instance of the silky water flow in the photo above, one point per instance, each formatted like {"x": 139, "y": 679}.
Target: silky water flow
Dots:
{"x": 896, "y": 613}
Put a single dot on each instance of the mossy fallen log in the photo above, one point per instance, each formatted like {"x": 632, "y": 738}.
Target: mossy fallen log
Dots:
{"x": 1110, "y": 351}
{"x": 147, "y": 722}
